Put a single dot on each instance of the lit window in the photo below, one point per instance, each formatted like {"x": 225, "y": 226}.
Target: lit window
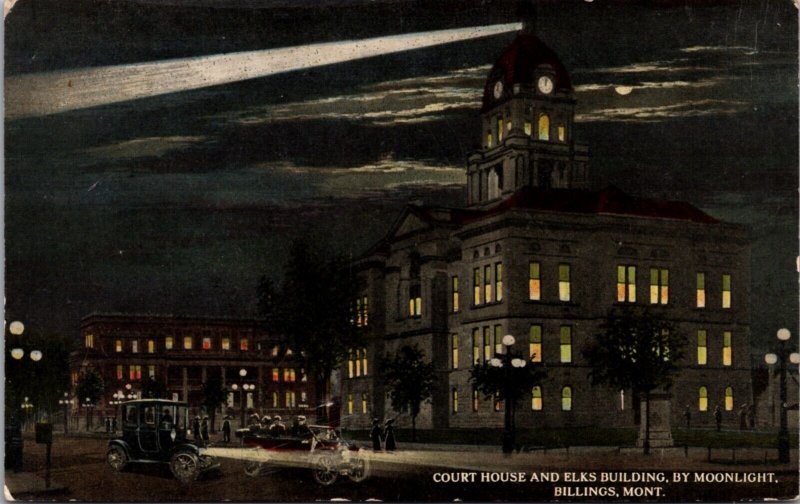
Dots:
{"x": 118, "y": 345}
{"x": 726, "y": 291}
{"x": 534, "y": 282}
{"x": 475, "y": 400}
{"x": 120, "y": 372}
{"x": 151, "y": 371}
{"x": 499, "y": 130}
{"x": 364, "y": 361}
{"x": 454, "y": 350}
{"x": 508, "y": 125}
{"x": 544, "y": 127}
{"x": 351, "y": 365}
{"x": 187, "y": 342}
{"x": 289, "y": 375}
{"x": 702, "y": 399}
{"x": 626, "y": 283}
{"x": 535, "y": 343}
{"x": 621, "y": 400}
{"x": 498, "y": 281}
{"x": 303, "y": 397}
{"x": 168, "y": 341}
{"x": 728, "y": 398}
{"x": 536, "y": 398}
{"x": 290, "y": 399}
{"x": 244, "y": 344}
{"x": 454, "y": 396}
{"x": 476, "y": 347}
{"x": 566, "y": 344}
{"x": 135, "y": 346}
{"x": 487, "y": 344}
{"x": 564, "y": 293}
{"x": 276, "y": 374}
{"x": 364, "y": 403}
{"x": 528, "y": 128}
{"x": 702, "y": 347}
{"x": 659, "y": 286}
{"x": 89, "y": 340}
{"x": 476, "y": 282}
{"x": 489, "y": 140}
{"x": 365, "y": 310}
{"x": 135, "y": 372}
{"x": 701, "y": 290}
{"x": 151, "y": 346}
{"x": 274, "y": 399}
{"x": 206, "y": 343}
{"x": 498, "y": 404}
{"x": 454, "y": 293}
{"x": 487, "y": 284}
{"x": 303, "y": 375}
{"x": 498, "y": 339}
{"x": 566, "y": 399}
{"x": 415, "y": 301}
{"x": 562, "y": 133}
{"x": 727, "y": 348}
{"x": 358, "y": 362}
{"x": 350, "y": 404}
{"x": 226, "y": 343}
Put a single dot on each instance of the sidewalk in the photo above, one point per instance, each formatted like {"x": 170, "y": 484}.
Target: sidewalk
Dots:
{"x": 25, "y": 483}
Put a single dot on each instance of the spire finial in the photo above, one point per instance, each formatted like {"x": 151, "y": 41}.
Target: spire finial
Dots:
{"x": 527, "y": 14}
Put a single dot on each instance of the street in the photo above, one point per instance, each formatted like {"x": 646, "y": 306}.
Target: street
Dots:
{"x": 408, "y": 475}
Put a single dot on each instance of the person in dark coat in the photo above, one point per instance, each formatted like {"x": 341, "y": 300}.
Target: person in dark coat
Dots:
{"x": 196, "y": 430}
{"x": 388, "y": 435}
{"x": 375, "y": 434}
{"x": 718, "y": 418}
{"x": 226, "y": 429}
{"x": 204, "y": 431}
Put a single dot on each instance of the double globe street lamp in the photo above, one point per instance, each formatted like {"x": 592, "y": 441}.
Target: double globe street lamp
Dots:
{"x": 67, "y": 403}
{"x": 508, "y": 362}
{"x": 781, "y": 357}
{"x": 243, "y": 389}
{"x": 26, "y": 406}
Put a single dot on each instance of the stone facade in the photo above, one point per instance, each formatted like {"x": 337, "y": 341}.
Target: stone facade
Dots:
{"x": 538, "y": 255}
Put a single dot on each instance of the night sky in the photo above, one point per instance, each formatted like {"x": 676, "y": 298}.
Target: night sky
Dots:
{"x": 178, "y": 203}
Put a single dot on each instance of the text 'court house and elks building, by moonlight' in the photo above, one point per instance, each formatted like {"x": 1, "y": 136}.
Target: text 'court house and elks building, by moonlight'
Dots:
{"x": 540, "y": 254}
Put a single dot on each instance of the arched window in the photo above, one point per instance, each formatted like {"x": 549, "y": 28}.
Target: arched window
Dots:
{"x": 536, "y": 398}
{"x": 544, "y": 127}
{"x": 728, "y": 398}
{"x": 702, "y": 399}
{"x": 566, "y": 399}
{"x": 494, "y": 184}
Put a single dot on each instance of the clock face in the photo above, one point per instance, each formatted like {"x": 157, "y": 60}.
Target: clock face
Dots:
{"x": 545, "y": 84}
{"x": 498, "y": 89}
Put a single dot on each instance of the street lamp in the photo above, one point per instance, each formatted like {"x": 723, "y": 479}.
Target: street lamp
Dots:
{"x": 243, "y": 388}
{"x": 781, "y": 357}
{"x": 508, "y": 363}
{"x": 26, "y": 406}
{"x": 87, "y": 404}
{"x": 66, "y": 402}
{"x": 131, "y": 395}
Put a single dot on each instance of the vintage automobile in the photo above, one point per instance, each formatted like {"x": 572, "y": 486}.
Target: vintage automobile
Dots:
{"x": 319, "y": 448}
{"x": 156, "y": 431}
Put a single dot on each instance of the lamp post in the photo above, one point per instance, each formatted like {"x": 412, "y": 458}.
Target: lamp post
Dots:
{"x": 781, "y": 357}
{"x": 243, "y": 388}
{"x": 66, "y": 402}
{"x": 130, "y": 394}
{"x": 508, "y": 363}
{"x": 87, "y": 405}
{"x": 26, "y": 406}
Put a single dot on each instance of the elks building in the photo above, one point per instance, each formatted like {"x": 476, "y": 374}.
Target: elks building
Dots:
{"x": 538, "y": 254}
{"x": 184, "y": 352}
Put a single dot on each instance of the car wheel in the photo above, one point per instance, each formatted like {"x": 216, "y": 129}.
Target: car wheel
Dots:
{"x": 325, "y": 471}
{"x": 359, "y": 469}
{"x": 184, "y": 466}
{"x": 116, "y": 458}
{"x": 252, "y": 468}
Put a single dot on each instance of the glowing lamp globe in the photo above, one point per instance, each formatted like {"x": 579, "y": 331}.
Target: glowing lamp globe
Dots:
{"x": 770, "y": 358}
{"x": 17, "y": 353}
{"x": 794, "y": 358}
{"x": 508, "y": 340}
{"x": 784, "y": 334}
{"x": 36, "y": 356}
{"x": 16, "y": 328}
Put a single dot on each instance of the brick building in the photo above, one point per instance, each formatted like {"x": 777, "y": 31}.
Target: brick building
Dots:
{"x": 184, "y": 352}
{"x": 538, "y": 254}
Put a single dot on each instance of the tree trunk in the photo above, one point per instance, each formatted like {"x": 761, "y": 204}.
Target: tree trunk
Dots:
{"x": 646, "y": 443}
{"x": 414, "y": 429}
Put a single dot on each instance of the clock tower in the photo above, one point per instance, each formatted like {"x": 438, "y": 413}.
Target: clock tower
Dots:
{"x": 527, "y": 119}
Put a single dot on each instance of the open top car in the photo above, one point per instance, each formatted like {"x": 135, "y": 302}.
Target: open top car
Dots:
{"x": 156, "y": 431}
{"x": 317, "y": 447}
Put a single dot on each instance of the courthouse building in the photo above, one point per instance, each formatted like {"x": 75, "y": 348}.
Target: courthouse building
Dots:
{"x": 184, "y": 352}
{"x": 540, "y": 254}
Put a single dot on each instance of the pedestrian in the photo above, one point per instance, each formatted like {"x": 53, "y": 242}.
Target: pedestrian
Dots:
{"x": 375, "y": 434}
{"x": 687, "y": 415}
{"x": 388, "y": 436}
{"x": 196, "y": 429}
{"x": 226, "y": 429}
{"x": 743, "y": 417}
{"x": 718, "y": 418}
{"x": 204, "y": 431}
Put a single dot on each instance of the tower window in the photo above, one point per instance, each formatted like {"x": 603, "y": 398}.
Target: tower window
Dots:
{"x": 726, "y": 291}
{"x": 415, "y": 301}
{"x": 206, "y": 343}
{"x": 476, "y": 282}
{"x": 364, "y": 403}
{"x": 487, "y": 345}
{"x": 536, "y": 398}
{"x": 455, "y": 400}
{"x": 535, "y": 343}
{"x": 564, "y": 285}
{"x": 498, "y": 281}
{"x": 476, "y": 346}
{"x": 135, "y": 346}
{"x": 528, "y": 128}
{"x": 562, "y": 133}
{"x": 499, "y": 130}
{"x": 151, "y": 346}
{"x": 454, "y": 350}
{"x": 534, "y": 282}
{"x": 727, "y": 349}
{"x": 475, "y": 400}
{"x": 702, "y": 399}
{"x": 498, "y": 340}
{"x": 659, "y": 286}
{"x": 728, "y": 398}
{"x": 626, "y": 283}
{"x": 454, "y": 293}
{"x": 702, "y": 347}
{"x": 118, "y": 346}
{"x": 701, "y": 290}
{"x": 487, "y": 283}
{"x": 168, "y": 342}
{"x": 566, "y": 399}
{"x": 89, "y": 341}
{"x": 544, "y": 127}
{"x": 187, "y": 342}
{"x": 566, "y": 344}
{"x": 489, "y": 140}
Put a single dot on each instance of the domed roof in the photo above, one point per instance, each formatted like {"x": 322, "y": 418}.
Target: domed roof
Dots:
{"x": 518, "y": 64}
